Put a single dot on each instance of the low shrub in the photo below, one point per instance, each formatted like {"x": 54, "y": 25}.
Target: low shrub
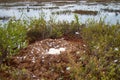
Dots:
{"x": 12, "y": 38}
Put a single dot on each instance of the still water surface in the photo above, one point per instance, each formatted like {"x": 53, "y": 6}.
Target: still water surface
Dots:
{"x": 61, "y": 10}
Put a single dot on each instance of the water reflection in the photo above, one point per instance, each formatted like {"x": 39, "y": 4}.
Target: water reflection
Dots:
{"x": 62, "y": 10}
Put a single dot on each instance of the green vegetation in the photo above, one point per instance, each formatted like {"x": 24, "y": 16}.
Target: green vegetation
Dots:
{"x": 12, "y": 38}
{"x": 104, "y": 44}
{"x": 101, "y": 63}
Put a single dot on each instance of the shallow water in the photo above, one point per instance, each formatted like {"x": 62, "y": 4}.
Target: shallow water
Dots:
{"x": 61, "y": 10}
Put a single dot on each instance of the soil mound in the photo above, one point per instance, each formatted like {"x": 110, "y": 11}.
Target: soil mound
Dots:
{"x": 49, "y": 59}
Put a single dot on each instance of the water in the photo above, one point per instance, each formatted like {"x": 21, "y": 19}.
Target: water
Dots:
{"x": 61, "y": 10}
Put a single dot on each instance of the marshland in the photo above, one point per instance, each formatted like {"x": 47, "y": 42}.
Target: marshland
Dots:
{"x": 60, "y": 40}
{"x": 61, "y": 10}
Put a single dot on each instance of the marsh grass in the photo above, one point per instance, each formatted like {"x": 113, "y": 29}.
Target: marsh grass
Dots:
{"x": 103, "y": 62}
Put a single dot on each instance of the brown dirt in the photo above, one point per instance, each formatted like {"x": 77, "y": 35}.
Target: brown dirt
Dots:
{"x": 41, "y": 65}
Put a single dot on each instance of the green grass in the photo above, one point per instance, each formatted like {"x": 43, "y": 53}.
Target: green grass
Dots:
{"x": 101, "y": 63}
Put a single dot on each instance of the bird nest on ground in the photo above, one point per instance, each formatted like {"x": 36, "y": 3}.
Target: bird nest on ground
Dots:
{"x": 49, "y": 59}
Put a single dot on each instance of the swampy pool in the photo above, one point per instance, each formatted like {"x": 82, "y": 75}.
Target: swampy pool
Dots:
{"x": 62, "y": 10}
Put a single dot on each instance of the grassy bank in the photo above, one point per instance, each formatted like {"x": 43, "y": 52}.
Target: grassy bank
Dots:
{"x": 101, "y": 63}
